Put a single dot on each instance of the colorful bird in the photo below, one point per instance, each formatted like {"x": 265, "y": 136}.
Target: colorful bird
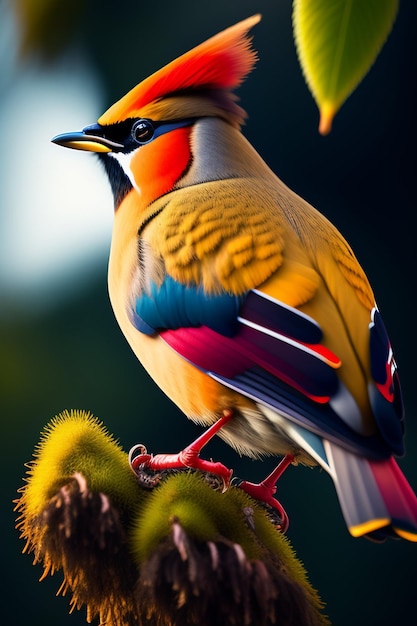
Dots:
{"x": 243, "y": 302}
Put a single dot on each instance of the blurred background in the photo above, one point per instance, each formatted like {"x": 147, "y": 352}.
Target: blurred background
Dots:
{"x": 61, "y": 65}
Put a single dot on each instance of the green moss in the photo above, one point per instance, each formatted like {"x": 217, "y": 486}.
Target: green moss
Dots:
{"x": 77, "y": 442}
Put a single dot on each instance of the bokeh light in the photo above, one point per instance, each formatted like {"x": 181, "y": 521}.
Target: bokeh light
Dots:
{"x": 56, "y": 207}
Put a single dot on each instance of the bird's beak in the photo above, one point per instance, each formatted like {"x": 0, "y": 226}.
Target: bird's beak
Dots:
{"x": 89, "y": 139}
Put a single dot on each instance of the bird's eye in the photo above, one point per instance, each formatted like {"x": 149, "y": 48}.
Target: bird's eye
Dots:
{"x": 143, "y": 131}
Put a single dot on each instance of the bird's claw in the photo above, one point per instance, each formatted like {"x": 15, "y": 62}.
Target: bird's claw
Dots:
{"x": 265, "y": 494}
{"x": 265, "y": 490}
{"x": 135, "y": 459}
{"x": 187, "y": 458}
{"x": 190, "y": 458}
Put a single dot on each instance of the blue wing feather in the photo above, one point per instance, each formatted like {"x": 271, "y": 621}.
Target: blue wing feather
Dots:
{"x": 174, "y": 305}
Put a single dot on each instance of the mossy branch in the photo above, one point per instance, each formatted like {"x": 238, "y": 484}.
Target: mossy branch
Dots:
{"x": 177, "y": 554}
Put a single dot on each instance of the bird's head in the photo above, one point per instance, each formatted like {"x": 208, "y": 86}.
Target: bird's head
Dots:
{"x": 144, "y": 138}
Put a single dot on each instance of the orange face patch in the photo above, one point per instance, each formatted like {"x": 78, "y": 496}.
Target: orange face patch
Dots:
{"x": 157, "y": 166}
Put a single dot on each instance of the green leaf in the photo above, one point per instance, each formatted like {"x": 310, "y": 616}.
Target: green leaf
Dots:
{"x": 337, "y": 42}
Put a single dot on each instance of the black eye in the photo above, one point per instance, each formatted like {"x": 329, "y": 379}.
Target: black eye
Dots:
{"x": 143, "y": 131}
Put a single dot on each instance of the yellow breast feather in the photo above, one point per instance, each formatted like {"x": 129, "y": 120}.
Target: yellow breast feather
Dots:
{"x": 224, "y": 235}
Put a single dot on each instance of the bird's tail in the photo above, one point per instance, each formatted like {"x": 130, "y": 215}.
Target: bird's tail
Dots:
{"x": 374, "y": 495}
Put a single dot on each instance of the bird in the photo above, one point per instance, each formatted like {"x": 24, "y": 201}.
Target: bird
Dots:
{"x": 243, "y": 302}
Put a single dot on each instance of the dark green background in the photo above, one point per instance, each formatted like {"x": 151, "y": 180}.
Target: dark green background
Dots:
{"x": 361, "y": 176}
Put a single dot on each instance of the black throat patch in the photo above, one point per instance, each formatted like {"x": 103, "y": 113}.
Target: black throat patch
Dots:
{"x": 119, "y": 182}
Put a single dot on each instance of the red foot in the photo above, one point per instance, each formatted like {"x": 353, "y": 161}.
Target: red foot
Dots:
{"x": 189, "y": 457}
{"x": 265, "y": 490}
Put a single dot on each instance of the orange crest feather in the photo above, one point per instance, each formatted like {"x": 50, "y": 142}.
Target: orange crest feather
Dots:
{"x": 219, "y": 64}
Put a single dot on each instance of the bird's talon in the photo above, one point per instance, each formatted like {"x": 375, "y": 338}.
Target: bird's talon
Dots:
{"x": 265, "y": 494}
{"x": 141, "y": 459}
{"x": 265, "y": 490}
{"x": 138, "y": 455}
{"x": 227, "y": 481}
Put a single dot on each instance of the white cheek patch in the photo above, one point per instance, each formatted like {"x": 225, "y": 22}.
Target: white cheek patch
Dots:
{"x": 124, "y": 161}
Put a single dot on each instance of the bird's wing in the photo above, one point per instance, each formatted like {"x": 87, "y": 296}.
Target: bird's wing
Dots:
{"x": 253, "y": 298}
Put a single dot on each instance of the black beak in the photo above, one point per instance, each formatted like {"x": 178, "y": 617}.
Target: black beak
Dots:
{"x": 88, "y": 139}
